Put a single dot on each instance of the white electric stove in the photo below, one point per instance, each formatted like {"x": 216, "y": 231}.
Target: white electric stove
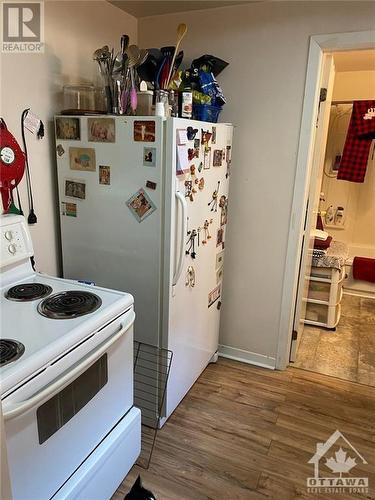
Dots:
{"x": 66, "y": 379}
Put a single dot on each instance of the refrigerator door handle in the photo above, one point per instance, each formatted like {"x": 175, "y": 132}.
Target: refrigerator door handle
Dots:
{"x": 180, "y": 198}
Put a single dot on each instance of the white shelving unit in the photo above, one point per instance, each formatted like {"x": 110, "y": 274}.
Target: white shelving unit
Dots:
{"x": 324, "y": 297}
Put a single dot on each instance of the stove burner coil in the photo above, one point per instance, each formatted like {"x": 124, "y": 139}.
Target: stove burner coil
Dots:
{"x": 69, "y": 304}
{"x": 10, "y": 350}
{"x": 28, "y": 291}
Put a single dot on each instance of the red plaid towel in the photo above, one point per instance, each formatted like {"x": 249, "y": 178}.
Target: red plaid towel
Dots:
{"x": 358, "y": 142}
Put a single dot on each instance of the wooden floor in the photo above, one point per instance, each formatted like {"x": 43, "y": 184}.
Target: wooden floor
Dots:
{"x": 247, "y": 433}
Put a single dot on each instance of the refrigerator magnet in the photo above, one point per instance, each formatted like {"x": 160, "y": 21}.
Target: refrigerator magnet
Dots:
{"x": 189, "y": 190}
{"x": 104, "y": 175}
{"x": 219, "y": 275}
{"x": 68, "y": 129}
{"x": 200, "y": 167}
{"x": 75, "y": 189}
{"x": 191, "y": 133}
{"x": 190, "y": 277}
{"x": 144, "y": 131}
{"x": 219, "y": 260}
{"x": 101, "y": 130}
{"x": 149, "y": 157}
{"x": 218, "y": 158}
{"x": 220, "y": 237}
{"x": 207, "y": 158}
{"x": 191, "y": 154}
{"x": 60, "y": 150}
{"x": 151, "y": 185}
{"x": 206, "y": 231}
{"x": 68, "y": 209}
{"x": 213, "y": 138}
{"x": 190, "y": 244}
{"x": 82, "y": 159}
{"x": 213, "y": 203}
{"x": 214, "y": 295}
{"x": 140, "y": 205}
{"x": 205, "y": 137}
{"x": 197, "y": 145}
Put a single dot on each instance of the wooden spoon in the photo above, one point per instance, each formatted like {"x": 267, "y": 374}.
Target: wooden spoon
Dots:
{"x": 181, "y": 32}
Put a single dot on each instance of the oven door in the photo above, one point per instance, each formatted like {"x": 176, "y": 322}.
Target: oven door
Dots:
{"x": 50, "y": 433}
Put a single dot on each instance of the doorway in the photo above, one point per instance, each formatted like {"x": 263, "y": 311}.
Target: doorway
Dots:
{"x": 315, "y": 127}
{"x": 337, "y": 314}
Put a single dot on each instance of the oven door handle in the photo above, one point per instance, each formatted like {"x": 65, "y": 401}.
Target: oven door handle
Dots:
{"x": 13, "y": 410}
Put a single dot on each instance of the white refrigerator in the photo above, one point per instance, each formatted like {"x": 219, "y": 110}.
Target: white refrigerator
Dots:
{"x": 143, "y": 208}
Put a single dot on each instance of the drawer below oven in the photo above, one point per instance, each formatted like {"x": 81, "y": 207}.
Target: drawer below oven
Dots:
{"x": 48, "y": 441}
{"x": 103, "y": 471}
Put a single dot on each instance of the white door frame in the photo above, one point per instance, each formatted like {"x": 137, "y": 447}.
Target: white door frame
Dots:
{"x": 319, "y": 44}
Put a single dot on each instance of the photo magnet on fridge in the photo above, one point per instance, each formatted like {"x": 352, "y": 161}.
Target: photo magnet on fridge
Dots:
{"x": 144, "y": 131}
{"x": 82, "y": 159}
{"x": 214, "y": 295}
{"x": 149, "y": 157}
{"x": 105, "y": 175}
{"x": 101, "y": 129}
{"x": 69, "y": 209}
{"x": 213, "y": 139}
{"x": 218, "y": 158}
{"x": 220, "y": 237}
{"x": 75, "y": 189}
{"x": 68, "y": 129}
{"x": 140, "y": 205}
{"x": 197, "y": 145}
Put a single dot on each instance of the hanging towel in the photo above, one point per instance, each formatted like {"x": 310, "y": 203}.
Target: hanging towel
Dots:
{"x": 358, "y": 142}
{"x": 322, "y": 244}
{"x": 364, "y": 269}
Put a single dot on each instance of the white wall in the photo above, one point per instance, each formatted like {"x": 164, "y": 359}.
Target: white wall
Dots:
{"x": 358, "y": 199}
{"x": 266, "y": 44}
{"x": 73, "y": 30}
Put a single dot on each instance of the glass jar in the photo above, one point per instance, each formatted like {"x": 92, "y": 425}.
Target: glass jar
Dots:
{"x": 79, "y": 97}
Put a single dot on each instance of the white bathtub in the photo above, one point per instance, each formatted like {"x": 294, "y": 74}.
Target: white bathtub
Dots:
{"x": 357, "y": 287}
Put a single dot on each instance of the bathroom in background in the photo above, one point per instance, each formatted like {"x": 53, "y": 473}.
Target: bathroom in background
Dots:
{"x": 339, "y": 334}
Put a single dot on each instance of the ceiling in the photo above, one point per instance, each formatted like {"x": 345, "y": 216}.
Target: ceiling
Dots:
{"x": 355, "y": 60}
{"x": 139, "y": 8}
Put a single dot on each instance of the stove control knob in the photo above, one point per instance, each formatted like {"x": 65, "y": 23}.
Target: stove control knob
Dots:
{"x": 8, "y": 235}
{"x": 12, "y": 249}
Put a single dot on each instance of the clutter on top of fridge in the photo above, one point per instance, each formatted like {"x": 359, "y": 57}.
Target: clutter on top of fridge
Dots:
{"x": 151, "y": 81}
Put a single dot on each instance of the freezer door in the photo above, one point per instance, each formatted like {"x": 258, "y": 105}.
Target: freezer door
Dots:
{"x": 193, "y": 323}
{"x": 102, "y": 238}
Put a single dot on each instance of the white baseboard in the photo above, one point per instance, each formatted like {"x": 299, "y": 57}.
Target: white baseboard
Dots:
{"x": 252, "y": 358}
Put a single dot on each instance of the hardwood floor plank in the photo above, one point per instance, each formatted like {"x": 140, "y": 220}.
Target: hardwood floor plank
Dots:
{"x": 247, "y": 433}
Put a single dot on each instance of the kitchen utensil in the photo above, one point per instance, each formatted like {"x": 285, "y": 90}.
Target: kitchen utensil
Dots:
{"x": 181, "y": 32}
{"x": 133, "y": 92}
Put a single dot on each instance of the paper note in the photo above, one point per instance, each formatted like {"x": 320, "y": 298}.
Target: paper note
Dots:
{"x": 182, "y": 166}
{"x": 182, "y": 136}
